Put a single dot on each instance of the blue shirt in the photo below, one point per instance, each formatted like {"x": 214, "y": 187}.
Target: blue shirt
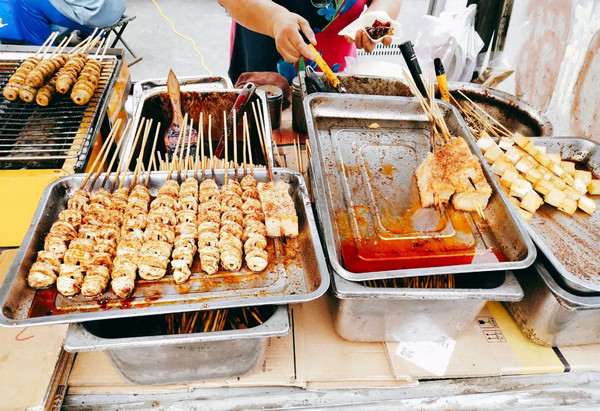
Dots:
{"x": 91, "y": 13}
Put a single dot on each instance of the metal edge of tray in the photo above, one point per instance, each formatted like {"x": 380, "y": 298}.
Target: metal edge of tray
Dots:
{"x": 571, "y": 280}
{"x": 509, "y": 290}
{"x": 200, "y": 305}
{"x": 187, "y": 83}
{"x": 546, "y": 127}
{"x": 320, "y": 192}
{"x": 78, "y": 339}
{"x": 565, "y": 298}
{"x": 126, "y": 149}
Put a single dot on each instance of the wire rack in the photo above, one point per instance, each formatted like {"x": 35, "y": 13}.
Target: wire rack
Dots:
{"x": 32, "y": 136}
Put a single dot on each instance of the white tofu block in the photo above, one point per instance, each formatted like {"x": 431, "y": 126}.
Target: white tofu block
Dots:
{"x": 583, "y": 175}
{"x": 500, "y": 166}
{"x": 524, "y": 165}
{"x": 587, "y": 204}
{"x": 556, "y": 169}
{"x": 514, "y": 154}
{"x": 555, "y": 158}
{"x": 541, "y": 149}
{"x": 534, "y": 175}
{"x": 568, "y": 166}
{"x": 566, "y": 177}
{"x": 580, "y": 186}
{"x": 555, "y": 197}
{"x": 571, "y": 193}
{"x": 542, "y": 158}
{"x": 593, "y": 187}
{"x": 505, "y": 143}
{"x": 530, "y": 148}
{"x": 514, "y": 201}
{"x": 509, "y": 177}
{"x": 547, "y": 176}
{"x": 568, "y": 206}
{"x": 532, "y": 201}
{"x": 493, "y": 153}
{"x": 485, "y": 142}
{"x": 558, "y": 183}
{"x": 543, "y": 187}
{"x": 519, "y": 188}
{"x": 520, "y": 140}
{"x": 525, "y": 214}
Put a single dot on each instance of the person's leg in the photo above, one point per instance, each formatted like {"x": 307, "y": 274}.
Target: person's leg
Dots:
{"x": 35, "y": 18}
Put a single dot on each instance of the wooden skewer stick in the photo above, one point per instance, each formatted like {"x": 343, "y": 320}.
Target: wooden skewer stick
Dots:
{"x": 248, "y": 142}
{"x": 189, "y": 142}
{"x": 124, "y": 135}
{"x": 235, "y": 159}
{"x": 52, "y": 38}
{"x": 60, "y": 46}
{"x": 244, "y": 146}
{"x": 280, "y": 160}
{"x": 115, "y": 155}
{"x": 486, "y": 114}
{"x": 112, "y": 135}
{"x": 174, "y": 158}
{"x": 135, "y": 141}
{"x": 85, "y": 42}
{"x": 44, "y": 44}
{"x": 152, "y": 155}
{"x": 226, "y": 145}
{"x": 263, "y": 141}
{"x": 199, "y": 144}
{"x": 210, "y": 147}
{"x": 141, "y": 156}
{"x": 296, "y": 155}
{"x": 259, "y": 129}
{"x": 93, "y": 167}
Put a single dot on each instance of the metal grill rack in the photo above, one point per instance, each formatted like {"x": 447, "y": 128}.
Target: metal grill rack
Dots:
{"x": 36, "y": 137}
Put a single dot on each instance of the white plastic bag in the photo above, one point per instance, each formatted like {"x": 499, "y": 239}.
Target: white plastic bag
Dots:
{"x": 452, "y": 38}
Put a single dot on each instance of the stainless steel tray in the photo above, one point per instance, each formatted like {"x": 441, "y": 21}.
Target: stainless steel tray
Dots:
{"x": 551, "y": 315}
{"x": 297, "y": 272}
{"x": 195, "y": 83}
{"x": 513, "y": 112}
{"x": 362, "y": 313}
{"x": 350, "y": 180}
{"x": 168, "y": 359}
{"x": 571, "y": 243}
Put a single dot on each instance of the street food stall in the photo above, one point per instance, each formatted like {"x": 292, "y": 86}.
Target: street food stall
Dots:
{"x": 419, "y": 244}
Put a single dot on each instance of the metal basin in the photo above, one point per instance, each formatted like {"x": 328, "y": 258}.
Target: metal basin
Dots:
{"x": 156, "y": 358}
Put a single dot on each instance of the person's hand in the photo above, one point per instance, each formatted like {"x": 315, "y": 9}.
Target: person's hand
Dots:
{"x": 363, "y": 41}
{"x": 288, "y": 40}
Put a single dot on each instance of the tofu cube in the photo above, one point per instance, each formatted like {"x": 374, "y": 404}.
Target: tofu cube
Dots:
{"x": 583, "y": 175}
{"x": 530, "y": 148}
{"x": 525, "y": 214}
{"x": 593, "y": 187}
{"x": 555, "y": 158}
{"x": 587, "y": 204}
{"x": 580, "y": 186}
{"x": 558, "y": 183}
{"x": 568, "y": 206}
{"x": 543, "y": 186}
{"x": 509, "y": 177}
{"x": 541, "y": 149}
{"x": 555, "y": 197}
{"x": 514, "y": 201}
{"x": 546, "y": 175}
{"x": 514, "y": 154}
{"x": 525, "y": 164}
{"x": 568, "y": 179}
{"x": 531, "y": 202}
{"x": 534, "y": 175}
{"x": 568, "y": 166}
{"x": 505, "y": 143}
{"x": 542, "y": 158}
{"x": 519, "y": 188}
{"x": 493, "y": 153}
{"x": 485, "y": 142}
{"x": 556, "y": 169}
{"x": 520, "y": 140}
{"x": 571, "y": 193}
{"x": 500, "y": 166}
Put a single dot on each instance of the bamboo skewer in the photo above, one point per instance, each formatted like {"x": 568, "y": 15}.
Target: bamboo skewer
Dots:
{"x": 139, "y": 167}
{"x": 152, "y": 155}
{"x": 111, "y": 138}
{"x": 199, "y": 143}
{"x": 174, "y": 158}
{"x": 210, "y": 147}
{"x": 235, "y": 144}
{"x": 93, "y": 167}
{"x": 135, "y": 140}
{"x": 263, "y": 142}
{"x": 248, "y": 143}
{"x": 45, "y": 43}
{"x": 244, "y": 143}
{"x": 108, "y": 172}
{"x": 226, "y": 138}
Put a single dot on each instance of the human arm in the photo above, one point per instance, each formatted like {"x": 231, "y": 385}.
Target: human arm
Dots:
{"x": 391, "y": 7}
{"x": 271, "y": 19}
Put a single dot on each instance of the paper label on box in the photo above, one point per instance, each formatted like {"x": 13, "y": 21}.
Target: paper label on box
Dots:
{"x": 432, "y": 356}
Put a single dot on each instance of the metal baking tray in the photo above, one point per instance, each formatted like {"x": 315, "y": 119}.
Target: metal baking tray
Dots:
{"x": 179, "y": 358}
{"x": 297, "y": 271}
{"x": 514, "y": 113}
{"x": 571, "y": 243}
{"x": 551, "y": 315}
{"x": 155, "y": 104}
{"x": 362, "y": 313}
{"x": 194, "y": 83}
{"x": 365, "y": 192}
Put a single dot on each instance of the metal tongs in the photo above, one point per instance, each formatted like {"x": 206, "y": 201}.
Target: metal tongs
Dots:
{"x": 239, "y": 106}
{"x": 335, "y": 82}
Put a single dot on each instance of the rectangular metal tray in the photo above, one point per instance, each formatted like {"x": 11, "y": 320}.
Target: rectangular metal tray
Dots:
{"x": 571, "y": 243}
{"x": 362, "y": 313}
{"x": 169, "y": 359}
{"x": 367, "y": 174}
{"x": 297, "y": 271}
{"x": 551, "y": 315}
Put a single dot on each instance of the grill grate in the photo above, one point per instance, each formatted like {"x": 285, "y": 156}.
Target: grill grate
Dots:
{"x": 32, "y": 136}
